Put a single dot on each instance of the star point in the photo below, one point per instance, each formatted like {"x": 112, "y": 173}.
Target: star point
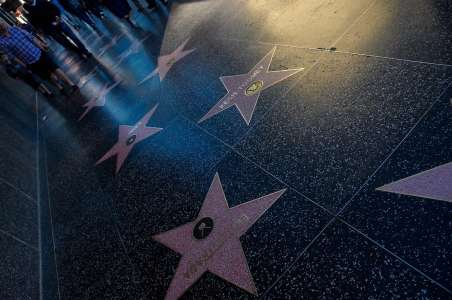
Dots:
{"x": 435, "y": 184}
{"x": 133, "y": 49}
{"x": 112, "y": 43}
{"x": 86, "y": 78}
{"x": 129, "y": 136}
{"x": 99, "y": 99}
{"x": 243, "y": 90}
{"x": 166, "y": 62}
{"x": 212, "y": 241}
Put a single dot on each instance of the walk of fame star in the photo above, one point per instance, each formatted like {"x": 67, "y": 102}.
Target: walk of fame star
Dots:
{"x": 166, "y": 62}
{"x": 133, "y": 49}
{"x": 98, "y": 100}
{"x": 112, "y": 43}
{"x": 129, "y": 136}
{"x": 433, "y": 184}
{"x": 244, "y": 89}
{"x": 212, "y": 242}
{"x": 87, "y": 77}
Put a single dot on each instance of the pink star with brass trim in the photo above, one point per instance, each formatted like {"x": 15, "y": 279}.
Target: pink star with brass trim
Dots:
{"x": 129, "y": 136}
{"x": 433, "y": 184}
{"x": 244, "y": 89}
{"x": 98, "y": 100}
{"x": 212, "y": 242}
{"x": 166, "y": 62}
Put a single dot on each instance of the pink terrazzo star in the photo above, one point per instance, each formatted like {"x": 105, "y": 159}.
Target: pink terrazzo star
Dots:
{"x": 433, "y": 184}
{"x": 87, "y": 77}
{"x": 129, "y": 136}
{"x": 114, "y": 40}
{"x": 211, "y": 242}
{"x": 166, "y": 62}
{"x": 98, "y": 100}
{"x": 134, "y": 48}
{"x": 244, "y": 90}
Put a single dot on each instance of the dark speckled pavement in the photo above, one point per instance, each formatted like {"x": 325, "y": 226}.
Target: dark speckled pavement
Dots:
{"x": 372, "y": 106}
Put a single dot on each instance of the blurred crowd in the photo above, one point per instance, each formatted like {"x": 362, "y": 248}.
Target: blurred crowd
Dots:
{"x": 27, "y": 26}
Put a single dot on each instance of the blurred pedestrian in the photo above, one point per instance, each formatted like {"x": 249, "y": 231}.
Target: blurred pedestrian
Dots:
{"x": 93, "y": 7}
{"x": 120, "y": 8}
{"x": 11, "y": 5}
{"x": 22, "y": 47}
{"x": 153, "y": 4}
{"x": 20, "y": 72}
{"x": 46, "y": 17}
{"x": 75, "y": 8}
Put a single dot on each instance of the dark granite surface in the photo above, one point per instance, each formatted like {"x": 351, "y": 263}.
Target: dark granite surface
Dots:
{"x": 349, "y": 123}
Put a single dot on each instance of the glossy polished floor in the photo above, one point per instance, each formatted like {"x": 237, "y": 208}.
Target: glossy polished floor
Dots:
{"x": 238, "y": 149}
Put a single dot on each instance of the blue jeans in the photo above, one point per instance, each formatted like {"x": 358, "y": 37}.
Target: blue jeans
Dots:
{"x": 62, "y": 32}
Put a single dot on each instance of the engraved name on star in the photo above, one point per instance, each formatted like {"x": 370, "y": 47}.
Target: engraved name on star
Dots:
{"x": 128, "y": 137}
{"x": 98, "y": 100}
{"x": 166, "y": 62}
{"x": 433, "y": 184}
{"x": 212, "y": 241}
{"x": 243, "y": 90}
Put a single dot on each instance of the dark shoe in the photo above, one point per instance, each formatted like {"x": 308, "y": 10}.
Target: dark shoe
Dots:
{"x": 132, "y": 24}
{"x": 49, "y": 95}
{"x": 74, "y": 89}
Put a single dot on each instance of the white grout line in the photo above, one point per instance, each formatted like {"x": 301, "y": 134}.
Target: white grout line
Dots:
{"x": 38, "y": 194}
{"x": 354, "y": 22}
{"x": 292, "y": 265}
{"x": 256, "y": 164}
{"x": 51, "y": 226}
{"x": 286, "y": 45}
{"x": 38, "y": 198}
{"x": 33, "y": 200}
{"x": 421, "y": 118}
{"x": 391, "y": 58}
{"x": 396, "y": 256}
{"x": 18, "y": 239}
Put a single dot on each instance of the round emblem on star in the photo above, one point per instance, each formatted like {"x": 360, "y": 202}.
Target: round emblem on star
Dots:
{"x": 171, "y": 62}
{"x": 203, "y": 228}
{"x": 254, "y": 88}
{"x": 131, "y": 140}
